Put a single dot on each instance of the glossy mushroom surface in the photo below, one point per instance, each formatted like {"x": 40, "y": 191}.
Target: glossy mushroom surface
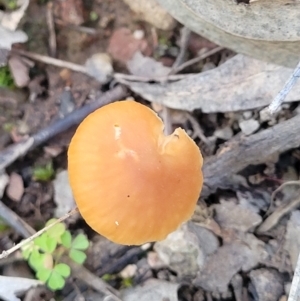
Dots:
{"x": 132, "y": 184}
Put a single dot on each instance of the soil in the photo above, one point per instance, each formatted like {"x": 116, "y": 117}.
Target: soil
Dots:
{"x": 234, "y": 249}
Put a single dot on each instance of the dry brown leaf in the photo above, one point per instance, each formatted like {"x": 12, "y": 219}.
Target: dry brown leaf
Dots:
{"x": 241, "y": 83}
{"x": 19, "y": 70}
{"x": 144, "y": 66}
{"x": 15, "y": 189}
{"x": 267, "y": 30}
{"x": 12, "y": 286}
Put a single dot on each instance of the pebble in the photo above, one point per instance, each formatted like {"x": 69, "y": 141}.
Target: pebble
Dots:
{"x": 63, "y": 196}
{"x": 249, "y": 126}
{"x": 15, "y": 189}
{"x": 266, "y": 284}
{"x": 100, "y": 67}
{"x": 181, "y": 252}
{"x": 247, "y": 114}
{"x": 224, "y": 134}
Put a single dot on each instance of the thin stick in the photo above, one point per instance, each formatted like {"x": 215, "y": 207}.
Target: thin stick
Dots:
{"x": 83, "y": 29}
{"x": 128, "y": 77}
{"x": 197, "y": 59}
{"x": 280, "y": 97}
{"x": 51, "y": 61}
{"x": 4, "y": 254}
{"x": 15, "y": 151}
{"x": 51, "y": 28}
{"x": 184, "y": 40}
{"x": 294, "y": 290}
{"x": 14, "y": 221}
{"x": 274, "y": 193}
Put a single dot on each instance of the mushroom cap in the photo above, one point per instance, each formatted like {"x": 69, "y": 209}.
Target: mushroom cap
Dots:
{"x": 132, "y": 184}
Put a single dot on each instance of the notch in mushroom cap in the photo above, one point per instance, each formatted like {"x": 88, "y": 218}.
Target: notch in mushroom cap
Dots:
{"x": 132, "y": 184}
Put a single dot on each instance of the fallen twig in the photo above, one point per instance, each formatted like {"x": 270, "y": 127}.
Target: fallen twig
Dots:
{"x": 91, "y": 280}
{"x": 128, "y": 77}
{"x": 51, "y": 61}
{"x": 273, "y": 219}
{"x": 84, "y": 29}
{"x": 51, "y": 28}
{"x": 173, "y": 76}
{"x": 198, "y": 132}
{"x": 14, "y": 221}
{"x": 279, "y": 189}
{"x": 78, "y": 271}
{"x": 280, "y": 97}
{"x": 240, "y": 152}
{"x": 36, "y": 234}
{"x": 197, "y": 59}
{"x": 184, "y": 40}
{"x": 15, "y": 151}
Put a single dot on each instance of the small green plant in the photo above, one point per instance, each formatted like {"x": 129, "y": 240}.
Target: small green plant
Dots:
{"x": 11, "y": 4}
{"x": 3, "y": 225}
{"x": 6, "y": 79}
{"x": 43, "y": 173}
{"x": 8, "y": 126}
{"x": 45, "y": 253}
{"x": 93, "y": 16}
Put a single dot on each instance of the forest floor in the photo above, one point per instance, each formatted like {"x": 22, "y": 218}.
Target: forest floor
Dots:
{"x": 242, "y": 242}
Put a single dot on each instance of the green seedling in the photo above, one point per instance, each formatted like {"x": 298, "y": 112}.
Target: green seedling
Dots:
{"x": 43, "y": 173}
{"x": 6, "y": 79}
{"x": 8, "y": 126}
{"x": 3, "y": 225}
{"x": 93, "y": 16}
{"x": 45, "y": 253}
{"x": 127, "y": 282}
{"x": 11, "y": 4}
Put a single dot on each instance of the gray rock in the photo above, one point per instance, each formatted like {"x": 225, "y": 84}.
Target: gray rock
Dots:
{"x": 243, "y": 254}
{"x": 63, "y": 196}
{"x": 181, "y": 252}
{"x": 221, "y": 267}
{"x": 249, "y": 126}
{"x": 152, "y": 290}
{"x": 100, "y": 67}
{"x": 225, "y": 133}
{"x": 236, "y": 216}
{"x": 208, "y": 242}
{"x": 247, "y": 114}
{"x": 266, "y": 285}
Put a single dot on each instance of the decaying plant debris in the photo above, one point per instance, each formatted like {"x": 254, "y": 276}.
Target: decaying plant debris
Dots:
{"x": 243, "y": 240}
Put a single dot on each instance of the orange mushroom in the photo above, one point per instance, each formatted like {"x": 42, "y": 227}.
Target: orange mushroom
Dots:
{"x": 132, "y": 184}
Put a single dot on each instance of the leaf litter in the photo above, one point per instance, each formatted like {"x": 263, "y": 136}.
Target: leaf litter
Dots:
{"x": 241, "y": 242}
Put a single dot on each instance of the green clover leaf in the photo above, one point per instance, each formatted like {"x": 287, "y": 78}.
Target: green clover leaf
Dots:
{"x": 46, "y": 243}
{"x": 57, "y": 230}
{"x": 63, "y": 269}
{"x": 56, "y": 281}
{"x": 54, "y": 277}
{"x": 80, "y": 242}
{"x": 43, "y": 274}
{"x": 66, "y": 239}
{"x": 77, "y": 256}
{"x": 36, "y": 260}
